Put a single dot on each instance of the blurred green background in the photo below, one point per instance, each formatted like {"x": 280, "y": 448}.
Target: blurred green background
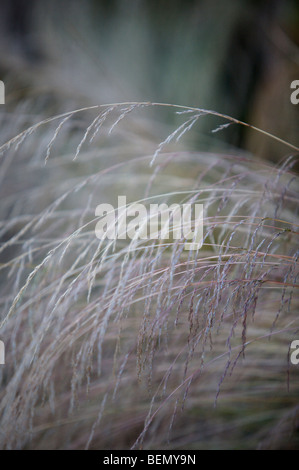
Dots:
{"x": 237, "y": 57}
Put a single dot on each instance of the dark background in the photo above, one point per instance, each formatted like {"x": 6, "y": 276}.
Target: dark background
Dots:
{"x": 236, "y": 57}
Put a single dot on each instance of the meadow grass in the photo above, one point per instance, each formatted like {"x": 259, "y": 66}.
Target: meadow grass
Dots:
{"x": 140, "y": 343}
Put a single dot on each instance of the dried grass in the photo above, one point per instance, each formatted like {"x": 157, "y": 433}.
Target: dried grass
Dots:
{"x": 139, "y": 343}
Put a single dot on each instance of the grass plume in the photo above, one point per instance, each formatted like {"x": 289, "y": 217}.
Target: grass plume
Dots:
{"x": 141, "y": 344}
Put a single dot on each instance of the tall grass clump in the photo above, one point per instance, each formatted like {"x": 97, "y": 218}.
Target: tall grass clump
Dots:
{"x": 141, "y": 343}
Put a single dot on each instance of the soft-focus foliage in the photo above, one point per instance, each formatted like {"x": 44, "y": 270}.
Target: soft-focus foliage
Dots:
{"x": 107, "y": 342}
{"x": 141, "y": 343}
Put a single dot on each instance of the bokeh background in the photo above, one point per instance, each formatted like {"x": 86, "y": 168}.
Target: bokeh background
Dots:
{"x": 237, "y": 57}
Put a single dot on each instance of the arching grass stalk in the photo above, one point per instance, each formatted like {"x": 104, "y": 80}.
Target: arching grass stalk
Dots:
{"x": 138, "y": 342}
